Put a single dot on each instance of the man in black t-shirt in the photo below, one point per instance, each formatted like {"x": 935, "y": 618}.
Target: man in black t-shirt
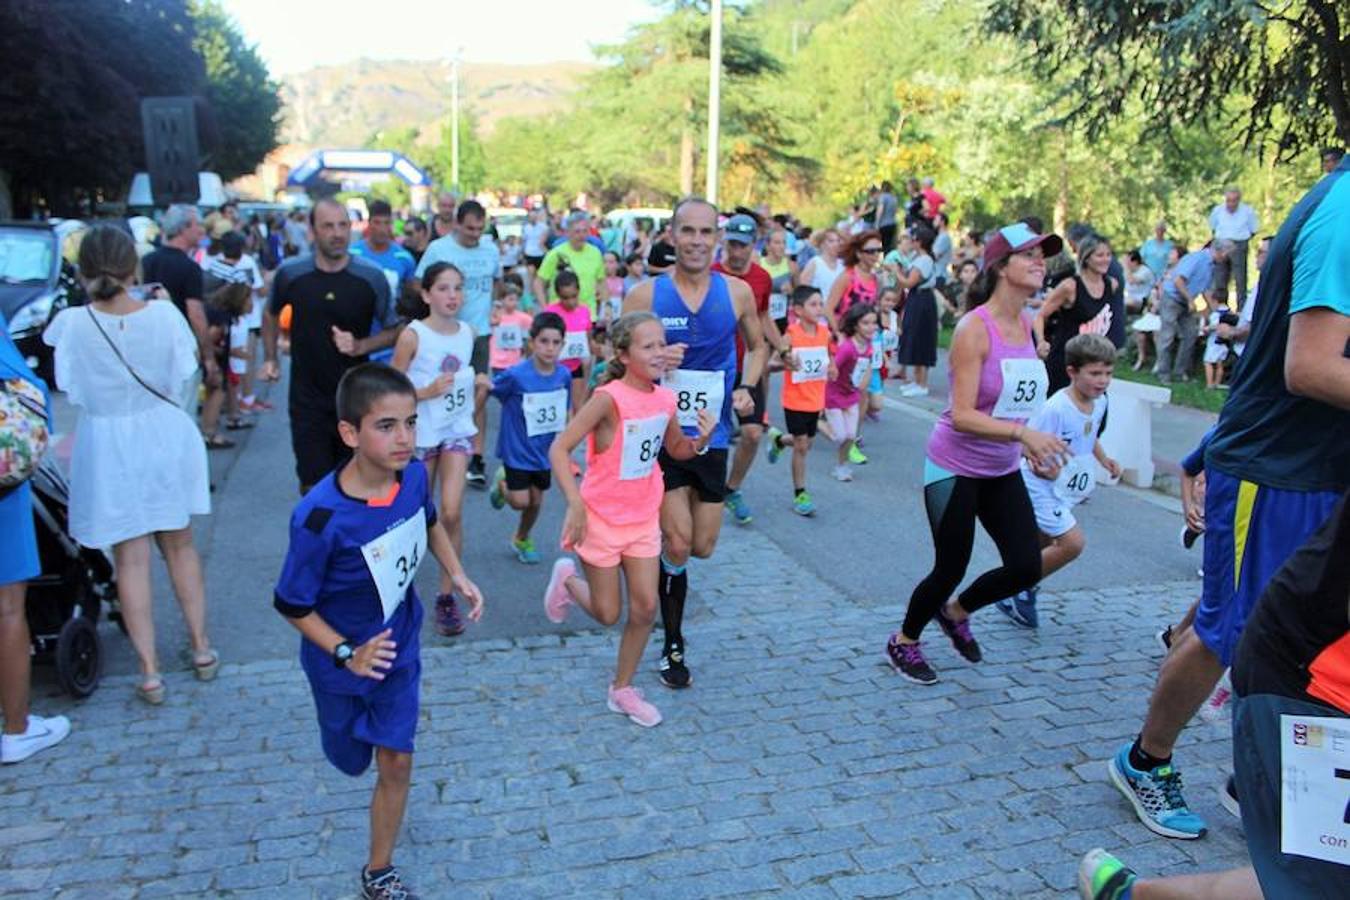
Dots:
{"x": 171, "y": 266}
{"x": 334, "y": 298}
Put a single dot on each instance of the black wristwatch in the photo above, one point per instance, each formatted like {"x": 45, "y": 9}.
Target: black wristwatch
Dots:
{"x": 343, "y": 653}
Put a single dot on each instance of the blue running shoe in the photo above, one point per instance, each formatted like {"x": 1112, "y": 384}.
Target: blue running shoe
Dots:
{"x": 1021, "y": 608}
{"x": 1156, "y": 797}
{"x": 803, "y": 505}
{"x": 775, "y": 449}
{"x": 525, "y": 551}
{"x": 497, "y": 496}
{"x": 739, "y": 508}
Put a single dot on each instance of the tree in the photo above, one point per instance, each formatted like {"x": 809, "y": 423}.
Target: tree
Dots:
{"x": 244, "y": 100}
{"x": 1278, "y": 71}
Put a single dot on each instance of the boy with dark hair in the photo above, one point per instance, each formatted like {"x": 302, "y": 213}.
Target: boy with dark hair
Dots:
{"x": 357, "y": 539}
{"x": 803, "y": 390}
{"x": 1074, "y": 414}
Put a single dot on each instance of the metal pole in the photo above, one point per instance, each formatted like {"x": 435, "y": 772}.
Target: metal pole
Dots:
{"x": 714, "y": 99}
{"x": 454, "y": 125}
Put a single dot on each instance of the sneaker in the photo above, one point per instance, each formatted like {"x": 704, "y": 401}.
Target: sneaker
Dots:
{"x": 556, "y": 596}
{"x": 1165, "y": 639}
{"x": 674, "y": 673}
{"x": 1188, "y": 537}
{"x": 739, "y": 508}
{"x": 803, "y": 505}
{"x": 1021, "y": 608}
{"x": 873, "y": 416}
{"x": 40, "y": 734}
{"x": 525, "y": 551}
{"x": 628, "y": 700}
{"x": 856, "y": 456}
{"x": 907, "y": 659}
{"x": 1228, "y": 797}
{"x": 388, "y": 886}
{"x": 448, "y": 620}
{"x": 477, "y": 473}
{"x": 775, "y": 449}
{"x": 913, "y": 390}
{"x": 497, "y": 496}
{"x": 1216, "y": 707}
{"x": 843, "y": 473}
{"x": 1103, "y": 877}
{"x": 961, "y": 637}
{"x": 1156, "y": 797}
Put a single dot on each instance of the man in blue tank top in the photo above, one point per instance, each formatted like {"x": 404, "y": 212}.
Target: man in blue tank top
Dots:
{"x": 701, "y": 311}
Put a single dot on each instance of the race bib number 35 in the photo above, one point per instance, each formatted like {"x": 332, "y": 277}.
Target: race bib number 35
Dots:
{"x": 455, "y": 403}
{"x": 545, "y": 411}
{"x": 696, "y": 389}
{"x": 641, "y": 444}
{"x": 393, "y": 558}
{"x": 1315, "y": 787}
{"x": 813, "y": 364}
{"x": 1024, "y": 385}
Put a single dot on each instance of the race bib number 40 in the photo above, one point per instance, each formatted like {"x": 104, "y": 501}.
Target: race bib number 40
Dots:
{"x": 576, "y": 345}
{"x": 1077, "y": 479}
{"x": 1315, "y": 787}
{"x": 696, "y": 389}
{"x": 1024, "y": 385}
{"x": 545, "y": 411}
{"x": 641, "y": 444}
{"x": 813, "y": 364}
{"x": 455, "y": 403}
{"x": 393, "y": 558}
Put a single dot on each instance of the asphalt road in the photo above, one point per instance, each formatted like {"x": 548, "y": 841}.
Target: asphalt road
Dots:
{"x": 869, "y": 540}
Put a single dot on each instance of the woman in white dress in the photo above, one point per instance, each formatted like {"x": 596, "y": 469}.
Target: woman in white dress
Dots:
{"x": 138, "y": 467}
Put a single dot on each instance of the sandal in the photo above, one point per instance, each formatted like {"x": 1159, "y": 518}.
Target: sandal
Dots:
{"x": 238, "y": 424}
{"x": 151, "y": 690}
{"x": 216, "y": 442}
{"x": 205, "y": 671}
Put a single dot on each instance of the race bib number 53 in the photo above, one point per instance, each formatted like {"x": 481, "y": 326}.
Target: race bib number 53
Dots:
{"x": 393, "y": 558}
{"x": 1024, "y": 385}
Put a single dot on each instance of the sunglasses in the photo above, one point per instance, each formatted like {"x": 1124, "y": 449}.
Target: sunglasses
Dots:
{"x": 870, "y": 251}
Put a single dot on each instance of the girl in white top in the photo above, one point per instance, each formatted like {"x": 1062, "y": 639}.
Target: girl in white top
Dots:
{"x": 824, "y": 268}
{"x": 138, "y": 467}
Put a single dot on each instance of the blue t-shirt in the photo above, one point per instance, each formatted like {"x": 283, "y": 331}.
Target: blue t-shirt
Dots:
{"x": 398, "y": 264}
{"x": 1154, "y": 254}
{"x": 1194, "y": 463}
{"x": 326, "y": 572}
{"x": 1196, "y": 267}
{"x": 515, "y": 447}
{"x": 481, "y": 267}
{"x": 710, "y": 336}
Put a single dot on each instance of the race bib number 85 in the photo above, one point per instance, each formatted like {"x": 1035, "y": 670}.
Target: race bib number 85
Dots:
{"x": 696, "y": 389}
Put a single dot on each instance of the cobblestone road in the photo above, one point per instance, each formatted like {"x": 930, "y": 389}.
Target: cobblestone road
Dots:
{"x": 798, "y": 766}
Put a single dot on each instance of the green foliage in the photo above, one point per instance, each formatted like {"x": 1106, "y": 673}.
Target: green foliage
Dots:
{"x": 242, "y": 95}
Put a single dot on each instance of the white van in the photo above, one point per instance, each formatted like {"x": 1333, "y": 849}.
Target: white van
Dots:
{"x": 210, "y": 189}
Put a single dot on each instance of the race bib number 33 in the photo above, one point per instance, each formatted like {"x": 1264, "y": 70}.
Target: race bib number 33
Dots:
{"x": 545, "y": 411}
{"x": 393, "y": 558}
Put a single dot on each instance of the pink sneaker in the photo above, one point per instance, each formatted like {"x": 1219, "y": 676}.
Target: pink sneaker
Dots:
{"x": 556, "y": 597}
{"x": 628, "y": 700}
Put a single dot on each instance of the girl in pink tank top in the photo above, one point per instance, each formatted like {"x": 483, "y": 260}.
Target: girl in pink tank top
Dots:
{"x": 613, "y": 520}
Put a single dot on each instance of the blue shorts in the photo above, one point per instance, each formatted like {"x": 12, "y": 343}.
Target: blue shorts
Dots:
{"x": 19, "y": 561}
{"x": 351, "y": 726}
{"x": 1250, "y": 530}
{"x": 874, "y": 385}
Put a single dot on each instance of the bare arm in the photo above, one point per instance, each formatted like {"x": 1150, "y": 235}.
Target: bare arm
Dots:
{"x": 639, "y": 299}
{"x": 380, "y": 340}
{"x": 749, "y": 319}
{"x": 1315, "y": 365}
{"x": 196, "y": 316}
{"x": 1059, "y": 298}
{"x": 832, "y": 301}
{"x": 371, "y": 660}
{"x": 680, "y": 445}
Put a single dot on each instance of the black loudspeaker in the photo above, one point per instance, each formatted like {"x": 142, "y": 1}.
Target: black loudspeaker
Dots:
{"x": 171, "y": 153}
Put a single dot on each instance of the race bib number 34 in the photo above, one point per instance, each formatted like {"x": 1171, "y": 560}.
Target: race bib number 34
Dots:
{"x": 1315, "y": 787}
{"x": 696, "y": 389}
{"x": 641, "y": 444}
{"x": 1024, "y": 385}
{"x": 545, "y": 411}
{"x": 393, "y": 558}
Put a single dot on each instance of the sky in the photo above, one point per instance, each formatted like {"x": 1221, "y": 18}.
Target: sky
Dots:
{"x": 294, "y": 35}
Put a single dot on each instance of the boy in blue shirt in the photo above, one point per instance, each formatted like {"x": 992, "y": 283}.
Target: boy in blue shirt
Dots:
{"x": 356, "y": 541}
{"x": 535, "y": 396}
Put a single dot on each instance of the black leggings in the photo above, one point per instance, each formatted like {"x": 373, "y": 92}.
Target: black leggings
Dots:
{"x": 1004, "y": 509}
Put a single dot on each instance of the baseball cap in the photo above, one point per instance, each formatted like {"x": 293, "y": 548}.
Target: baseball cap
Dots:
{"x": 740, "y": 228}
{"x": 1015, "y": 238}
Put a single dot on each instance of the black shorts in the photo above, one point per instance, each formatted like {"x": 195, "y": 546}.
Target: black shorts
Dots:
{"x": 706, "y": 474}
{"x": 579, "y": 372}
{"x": 317, "y": 445}
{"x": 523, "y": 479}
{"x": 759, "y": 413}
{"x": 533, "y": 262}
{"x": 479, "y": 360}
{"x": 801, "y": 424}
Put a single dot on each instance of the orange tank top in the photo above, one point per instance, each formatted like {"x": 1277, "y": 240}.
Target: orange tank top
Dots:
{"x": 623, "y": 483}
{"x": 804, "y": 389}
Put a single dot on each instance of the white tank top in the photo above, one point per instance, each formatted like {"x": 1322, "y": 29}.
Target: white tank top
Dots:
{"x": 438, "y": 354}
{"x": 823, "y": 277}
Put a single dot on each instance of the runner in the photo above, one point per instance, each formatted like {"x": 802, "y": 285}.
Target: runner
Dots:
{"x": 783, "y": 272}
{"x": 826, "y": 266}
{"x": 738, "y": 249}
{"x": 803, "y": 393}
{"x": 398, "y": 265}
{"x": 973, "y": 454}
{"x": 334, "y": 299}
{"x": 481, "y": 264}
{"x": 701, "y": 312}
{"x": 580, "y": 256}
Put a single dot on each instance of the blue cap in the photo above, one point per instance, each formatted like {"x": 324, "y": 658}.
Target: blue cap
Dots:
{"x": 740, "y": 228}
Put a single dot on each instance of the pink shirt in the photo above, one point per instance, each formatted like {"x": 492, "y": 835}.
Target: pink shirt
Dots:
{"x": 840, "y": 392}
{"x": 578, "y": 322}
{"x": 520, "y": 321}
{"x": 623, "y": 484}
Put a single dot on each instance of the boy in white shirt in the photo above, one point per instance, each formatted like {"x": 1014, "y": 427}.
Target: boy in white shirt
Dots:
{"x": 1074, "y": 415}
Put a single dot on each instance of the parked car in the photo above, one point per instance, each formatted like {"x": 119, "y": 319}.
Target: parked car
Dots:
{"x": 632, "y": 219}
{"x": 508, "y": 220}
{"x": 32, "y": 289}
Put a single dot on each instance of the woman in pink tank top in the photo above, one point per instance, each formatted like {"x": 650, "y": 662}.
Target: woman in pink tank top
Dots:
{"x": 858, "y": 283}
{"x": 972, "y": 470}
{"x": 613, "y": 520}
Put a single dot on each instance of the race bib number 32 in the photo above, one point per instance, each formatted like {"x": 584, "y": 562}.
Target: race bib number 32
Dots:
{"x": 1315, "y": 787}
{"x": 813, "y": 364}
{"x": 696, "y": 389}
{"x": 1024, "y": 385}
{"x": 393, "y": 558}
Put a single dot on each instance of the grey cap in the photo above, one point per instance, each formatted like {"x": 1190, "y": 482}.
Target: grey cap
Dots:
{"x": 740, "y": 228}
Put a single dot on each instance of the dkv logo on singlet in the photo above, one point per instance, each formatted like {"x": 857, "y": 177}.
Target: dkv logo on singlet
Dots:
{"x": 680, "y": 322}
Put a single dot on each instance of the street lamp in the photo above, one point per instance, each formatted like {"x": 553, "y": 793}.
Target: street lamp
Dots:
{"x": 714, "y": 98}
{"x": 454, "y": 122}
